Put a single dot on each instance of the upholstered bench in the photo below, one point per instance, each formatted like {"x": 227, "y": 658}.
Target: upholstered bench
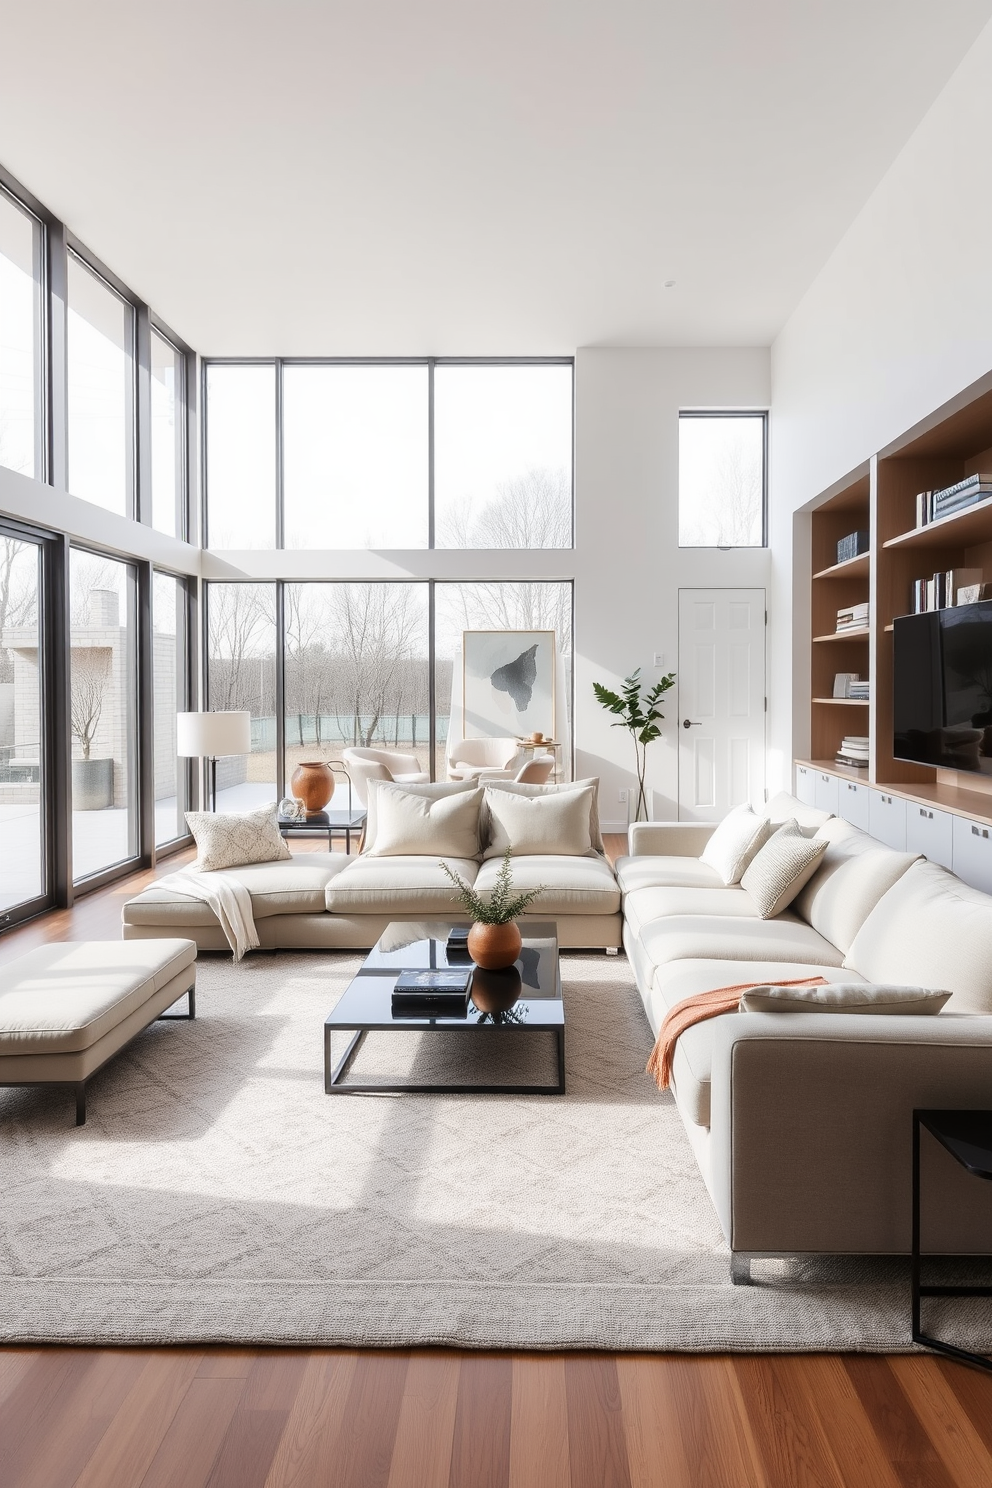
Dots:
{"x": 66, "y": 1009}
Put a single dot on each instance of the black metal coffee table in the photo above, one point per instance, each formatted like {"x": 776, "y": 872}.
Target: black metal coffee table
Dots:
{"x": 526, "y": 1000}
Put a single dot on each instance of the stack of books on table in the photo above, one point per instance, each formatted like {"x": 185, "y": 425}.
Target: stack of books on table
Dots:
{"x": 441, "y": 993}
{"x": 853, "y": 751}
{"x": 963, "y": 493}
{"x": 853, "y": 617}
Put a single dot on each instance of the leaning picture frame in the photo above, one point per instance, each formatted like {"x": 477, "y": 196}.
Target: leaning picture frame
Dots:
{"x": 509, "y": 683}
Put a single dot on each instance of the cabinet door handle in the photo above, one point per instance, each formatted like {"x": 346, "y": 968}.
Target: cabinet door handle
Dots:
{"x": 979, "y": 831}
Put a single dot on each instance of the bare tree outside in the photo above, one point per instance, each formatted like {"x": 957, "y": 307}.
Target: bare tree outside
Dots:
{"x": 90, "y": 680}
{"x": 721, "y": 481}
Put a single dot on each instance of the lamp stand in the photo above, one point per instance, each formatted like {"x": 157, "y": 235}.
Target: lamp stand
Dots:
{"x": 213, "y": 782}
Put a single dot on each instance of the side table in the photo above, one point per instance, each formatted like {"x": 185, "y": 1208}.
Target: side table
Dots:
{"x": 967, "y": 1136}
{"x": 319, "y": 822}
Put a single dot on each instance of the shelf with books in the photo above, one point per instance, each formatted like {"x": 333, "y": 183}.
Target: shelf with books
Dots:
{"x": 839, "y": 610}
{"x": 850, "y": 569}
{"x": 971, "y": 526}
{"x": 860, "y": 634}
{"x": 842, "y": 702}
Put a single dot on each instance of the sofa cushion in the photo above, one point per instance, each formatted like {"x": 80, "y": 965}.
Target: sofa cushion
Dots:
{"x": 931, "y": 929}
{"x": 666, "y": 872}
{"x": 735, "y": 842}
{"x": 408, "y": 824}
{"x": 723, "y": 938}
{"x": 571, "y": 885}
{"x": 873, "y": 998}
{"x": 522, "y": 788}
{"x": 780, "y": 868}
{"x": 294, "y": 886}
{"x": 677, "y": 980}
{"x": 545, "y": 824}
{"x": 850, "y": 880}
{"x": 430, "y": 791}
{"x": 229, "y": 839}
{"x": 399, "y": 885}
{"x": 644, "y": 905}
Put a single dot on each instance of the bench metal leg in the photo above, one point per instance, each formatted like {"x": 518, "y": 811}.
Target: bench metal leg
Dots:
{"x": 740, "y": 1268}
{"x": 182, "y": 1017}
{"x": 81, "y": 1103}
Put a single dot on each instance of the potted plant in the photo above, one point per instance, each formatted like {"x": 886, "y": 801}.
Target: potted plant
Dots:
{"x": 641, "y": 716}
{"x": 494, "y": 940}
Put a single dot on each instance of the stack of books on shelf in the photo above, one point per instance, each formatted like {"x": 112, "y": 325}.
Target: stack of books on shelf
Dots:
{"x": 963, "y": 493}
{"x": 853, "y": 752}
{"x": 859, "y": 690}
{"x": 852, "y": 546}
{"x": 943, "y": 589}
{"x": 852, "y": 617}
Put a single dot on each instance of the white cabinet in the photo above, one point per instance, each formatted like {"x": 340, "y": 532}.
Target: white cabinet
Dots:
{"x": 971, "y": 853}
{"x": 887, "y": 819}
{"x": 854, "y": 803}
{"x": 826, "y": 796}
{"x": 930, "y": 832}
{"x": 806, "y": 785}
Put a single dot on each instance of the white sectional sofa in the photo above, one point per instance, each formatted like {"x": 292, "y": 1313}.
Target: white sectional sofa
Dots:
{"x": 801, "y": 1122}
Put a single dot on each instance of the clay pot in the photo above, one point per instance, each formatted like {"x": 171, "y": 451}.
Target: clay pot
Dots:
{"x": 494, "y": 947}
{"x": 313, "y": 784}
{"x": 496, "y": 991}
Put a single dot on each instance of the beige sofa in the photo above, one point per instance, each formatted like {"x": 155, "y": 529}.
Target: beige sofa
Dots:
{"x": 801, "y": 1123}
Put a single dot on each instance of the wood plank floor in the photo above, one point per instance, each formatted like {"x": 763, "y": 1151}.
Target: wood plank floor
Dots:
{"x": 257, "y": 1418}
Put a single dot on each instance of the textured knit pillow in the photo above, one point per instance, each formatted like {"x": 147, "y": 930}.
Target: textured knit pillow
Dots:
{"x": 735, "y": 842}
{"x": 432, "y": 791}
{"x": 412, "y": 825}
{"x": 845, "y": 997}
{"x": 778, "y": 871}
{"x": 521, "y": 788}
{"x": 227, "y": 840}
{"x": 527, "y": 825}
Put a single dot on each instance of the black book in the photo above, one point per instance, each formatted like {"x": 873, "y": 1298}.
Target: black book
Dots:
{"x": 442, "y": 1005}
{"x": 450, "y": 982}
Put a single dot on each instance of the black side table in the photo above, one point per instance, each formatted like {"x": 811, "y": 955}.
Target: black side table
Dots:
{"x": 319, "y": 822}
{"x": 967, "y": 1136}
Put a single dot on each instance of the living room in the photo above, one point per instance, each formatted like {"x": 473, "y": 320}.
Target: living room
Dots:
{"x": 815, "y": 288}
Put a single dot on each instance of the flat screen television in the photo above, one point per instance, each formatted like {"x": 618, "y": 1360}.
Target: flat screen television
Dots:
{"x": 942, "y": 688}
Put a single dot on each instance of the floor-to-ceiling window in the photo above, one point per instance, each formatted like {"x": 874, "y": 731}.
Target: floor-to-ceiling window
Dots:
{"x": 21, "y": 339}
{"x": 170, "y": 684}
{"x": 241, "y": 676}
{"x": 22, "y": 748}
{"x": 240, "y": 436}
{"x": 168, "y": 445}
{"x": 100, "y": 364}
{"x": 103, "y": 706}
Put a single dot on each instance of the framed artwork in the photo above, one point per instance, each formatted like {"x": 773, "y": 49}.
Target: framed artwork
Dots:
{"x": 508, "y": 683}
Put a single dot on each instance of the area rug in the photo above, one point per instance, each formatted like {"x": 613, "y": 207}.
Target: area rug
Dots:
{"x": 216, "y": 1193}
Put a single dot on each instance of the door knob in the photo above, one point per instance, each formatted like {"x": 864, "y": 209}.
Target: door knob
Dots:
{"x": 690, "y": 723}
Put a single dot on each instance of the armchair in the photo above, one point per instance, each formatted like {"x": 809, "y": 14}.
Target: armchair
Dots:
{"x": 381, "y": 764}
{"x": 482, "y": 759}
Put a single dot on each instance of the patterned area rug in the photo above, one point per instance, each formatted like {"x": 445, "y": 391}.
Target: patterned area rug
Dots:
{"x": 216, "y": 1193}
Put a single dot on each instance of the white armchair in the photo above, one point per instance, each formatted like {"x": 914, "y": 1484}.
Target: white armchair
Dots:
{"x": 381, "y": 764}
{"x": 482, "y": 759}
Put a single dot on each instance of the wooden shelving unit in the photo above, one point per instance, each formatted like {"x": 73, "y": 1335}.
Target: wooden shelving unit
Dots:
{"x": 952, "y": 444}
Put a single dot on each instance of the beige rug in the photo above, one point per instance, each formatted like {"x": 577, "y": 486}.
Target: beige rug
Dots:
{"x": 216, "y": 1193}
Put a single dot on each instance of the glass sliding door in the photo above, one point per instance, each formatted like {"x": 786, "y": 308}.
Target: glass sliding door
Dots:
{"x": 103, "y": 694}
{"x": 21, "y": 340}
{"x": 23, "y": 875}
{"x": 101, "y": 392}
{"x": 169, "y": 692}
{"x": 241, "y": 676}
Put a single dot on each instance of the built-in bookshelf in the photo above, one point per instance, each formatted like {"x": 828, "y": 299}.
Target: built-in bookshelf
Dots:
{"x": 954, "y": 443}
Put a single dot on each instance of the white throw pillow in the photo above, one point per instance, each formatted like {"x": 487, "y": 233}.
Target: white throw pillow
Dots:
{"x": 521, "y": 788}
{"x": 437, "y": 790}
{"x": 414, "y": 825}
{"x": 780, "y": 868}
{"x": 229, "y": 840}
{"x": 845, "y": 997}
{"x": 735, "y": 842}
{"x": 555, "y": 824}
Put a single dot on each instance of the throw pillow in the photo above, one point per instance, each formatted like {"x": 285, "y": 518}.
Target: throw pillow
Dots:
{"x": 434, "y": 791}
{"x": 845, "y": 997}
{"x": 520, "y": 788}
{"x": 779, "y": 870}
{"x": 525, "y": 825}
{"x": 735, "y": 842}
{"x": 414, "y": 825}
{"x": 229, "y": 840}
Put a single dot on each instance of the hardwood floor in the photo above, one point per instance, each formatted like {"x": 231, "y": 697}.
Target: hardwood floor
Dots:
{"x": 233, "y": 1418}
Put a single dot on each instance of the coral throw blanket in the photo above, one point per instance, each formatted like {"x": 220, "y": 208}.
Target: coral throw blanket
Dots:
{"x": 696, "y": 1010}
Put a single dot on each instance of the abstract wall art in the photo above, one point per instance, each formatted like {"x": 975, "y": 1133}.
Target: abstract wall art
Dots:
{"x": 509, "y": 683}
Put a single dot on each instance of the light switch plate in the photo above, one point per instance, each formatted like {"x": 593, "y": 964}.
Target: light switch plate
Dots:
{"x": 659, "y": 659}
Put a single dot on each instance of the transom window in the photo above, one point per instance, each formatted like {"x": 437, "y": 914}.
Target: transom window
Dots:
{"x": 722, "y": 480}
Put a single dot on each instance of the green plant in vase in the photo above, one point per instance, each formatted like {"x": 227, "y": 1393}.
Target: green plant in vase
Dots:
{"x": 494, "y": 940}
{"x": 639, "y": 714}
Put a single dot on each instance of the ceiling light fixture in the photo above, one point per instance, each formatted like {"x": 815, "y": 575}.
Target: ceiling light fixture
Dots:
{"x": 669, "y": 283}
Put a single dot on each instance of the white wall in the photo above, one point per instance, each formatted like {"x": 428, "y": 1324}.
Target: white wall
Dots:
{"x": 897, "y": 323}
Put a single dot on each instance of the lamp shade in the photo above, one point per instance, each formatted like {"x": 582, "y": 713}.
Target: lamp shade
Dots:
{"x": 209, "y": 735}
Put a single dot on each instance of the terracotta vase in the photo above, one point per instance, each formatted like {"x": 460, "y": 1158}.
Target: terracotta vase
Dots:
{"x": 494, "y": 947}
{"x": 313, "y": 784}
{"x": 496, "y": 991}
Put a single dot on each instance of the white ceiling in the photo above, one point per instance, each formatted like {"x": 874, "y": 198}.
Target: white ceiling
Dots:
{"x": 451, "y": 177}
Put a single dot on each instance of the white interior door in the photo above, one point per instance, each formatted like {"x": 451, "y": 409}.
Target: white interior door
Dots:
{"x": 721, "y": 686}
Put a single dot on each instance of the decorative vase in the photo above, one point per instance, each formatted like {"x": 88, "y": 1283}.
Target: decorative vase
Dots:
{"x": 494, "y": 947}
{"x": 313, "y": 784}
{"x": 496, "y": 991}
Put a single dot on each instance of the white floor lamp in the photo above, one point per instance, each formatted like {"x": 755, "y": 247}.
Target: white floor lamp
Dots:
{"x": 211, "y": 736}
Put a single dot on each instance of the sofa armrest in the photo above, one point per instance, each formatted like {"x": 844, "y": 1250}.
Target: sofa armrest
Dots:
{"x": 669, "y": 839}
{"x": 811, "y": 1131}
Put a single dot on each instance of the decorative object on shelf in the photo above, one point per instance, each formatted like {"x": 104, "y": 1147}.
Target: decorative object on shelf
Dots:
{"x": 842, "y": 683}
{"x": 313, "y": 784}
{"x": 212, "y": 736}
{"x": 973, "y": 593}
{"x": 640, "y": 715}
{"x": 852, "y": 546}
{"x": 494, "y": 940}
{"x": 508, "y": 682}
{"x": 290, "y": 809}
{"x": 967, "y": 492}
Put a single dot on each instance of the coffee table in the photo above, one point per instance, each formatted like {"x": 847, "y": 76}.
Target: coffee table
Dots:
{"x": 366, "y": 1005}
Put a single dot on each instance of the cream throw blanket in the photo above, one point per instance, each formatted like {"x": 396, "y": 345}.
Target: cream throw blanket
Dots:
{"x": 227, "y": 897}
